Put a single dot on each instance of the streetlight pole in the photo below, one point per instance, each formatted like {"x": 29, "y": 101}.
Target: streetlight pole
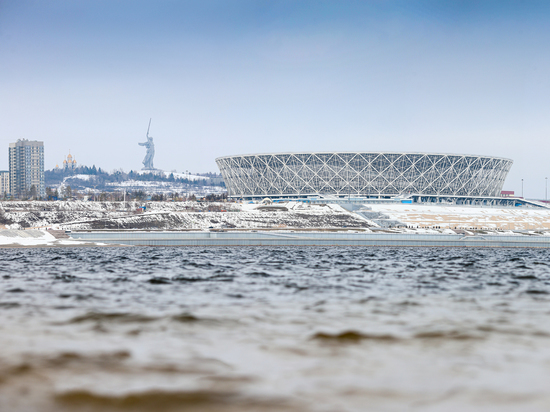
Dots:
{"x": 187, "y": 187}
{"x": 349, "y": 185}
{"x": 522, "y": 188}
{"x": 546, "y": 190}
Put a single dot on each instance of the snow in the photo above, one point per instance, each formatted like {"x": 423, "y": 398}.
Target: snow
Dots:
{"x": 177, "y": 175}
{"x": 79, "y": 177}
{"x": 449, "y": 216}
{"x": 26, "y": 237}
{"x": 37, "y": 238}
{"x": 173, "y": 215}
{"x": 166, "y": 187}
{"x": 86, "y": 215}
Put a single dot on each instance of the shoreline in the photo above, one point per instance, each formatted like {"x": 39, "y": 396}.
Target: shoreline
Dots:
{"x": 58, "y": 246}
{"x": 326, "y": 237}
{"x": 311, "y": 238}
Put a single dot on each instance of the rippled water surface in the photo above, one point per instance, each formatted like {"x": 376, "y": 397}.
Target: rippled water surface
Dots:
{"x": 269, "y": 329}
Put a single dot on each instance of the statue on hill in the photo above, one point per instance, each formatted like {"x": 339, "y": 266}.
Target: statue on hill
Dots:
{"x": 148, "y": 160}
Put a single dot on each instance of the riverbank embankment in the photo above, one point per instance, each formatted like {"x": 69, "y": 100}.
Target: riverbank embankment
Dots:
{"x": 316, "y": 238}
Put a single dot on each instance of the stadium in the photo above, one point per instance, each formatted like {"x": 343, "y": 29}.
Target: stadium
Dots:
{"x": 362, "y": 174}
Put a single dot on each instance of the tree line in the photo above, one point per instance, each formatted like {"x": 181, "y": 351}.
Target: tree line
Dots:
{"x": 101, "y": 177}
{"x": 67, "y": 193}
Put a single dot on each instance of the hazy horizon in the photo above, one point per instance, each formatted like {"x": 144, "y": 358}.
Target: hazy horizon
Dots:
{"x": 222, "y": 77}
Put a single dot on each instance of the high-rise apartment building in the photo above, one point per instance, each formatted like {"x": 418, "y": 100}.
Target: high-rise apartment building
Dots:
{"x": 4, "y": 183}
{"x": 27, "y": 168}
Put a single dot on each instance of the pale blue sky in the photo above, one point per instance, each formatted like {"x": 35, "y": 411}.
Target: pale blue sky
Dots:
{"x": 233, "y": 77}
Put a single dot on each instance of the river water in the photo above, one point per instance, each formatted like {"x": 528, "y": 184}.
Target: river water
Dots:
{"x": 272, "y": 329}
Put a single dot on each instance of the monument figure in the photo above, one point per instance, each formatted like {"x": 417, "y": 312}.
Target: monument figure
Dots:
{"x": 148, "y": 160}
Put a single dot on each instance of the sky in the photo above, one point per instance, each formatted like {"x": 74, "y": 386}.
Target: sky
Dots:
{"x": 226, "y": 77}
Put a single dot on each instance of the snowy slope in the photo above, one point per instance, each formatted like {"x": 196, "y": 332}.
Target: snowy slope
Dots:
{"x": 195, "y": 215}
{"x": 448, "y": 216}
{"x": 172, "y": 215}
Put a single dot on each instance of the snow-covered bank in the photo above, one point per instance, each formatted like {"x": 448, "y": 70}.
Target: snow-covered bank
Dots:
{"x": 449, "y": 216}
{"x": 26, "y": 237}
{"x": 174, "y": 215}
{"x": 34, "y": 238}
{"x": 82, "y": 215}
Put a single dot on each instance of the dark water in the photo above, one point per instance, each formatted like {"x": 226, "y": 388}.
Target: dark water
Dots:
{"x": 246, "y": 329}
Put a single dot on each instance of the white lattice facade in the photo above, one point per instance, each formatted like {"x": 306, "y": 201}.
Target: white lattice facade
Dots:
{"x": 362, "y": 174}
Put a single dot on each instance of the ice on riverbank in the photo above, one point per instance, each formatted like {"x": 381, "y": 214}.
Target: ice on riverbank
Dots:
{"x": 26, "y": 237}
{"x": 38, "y": 238}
